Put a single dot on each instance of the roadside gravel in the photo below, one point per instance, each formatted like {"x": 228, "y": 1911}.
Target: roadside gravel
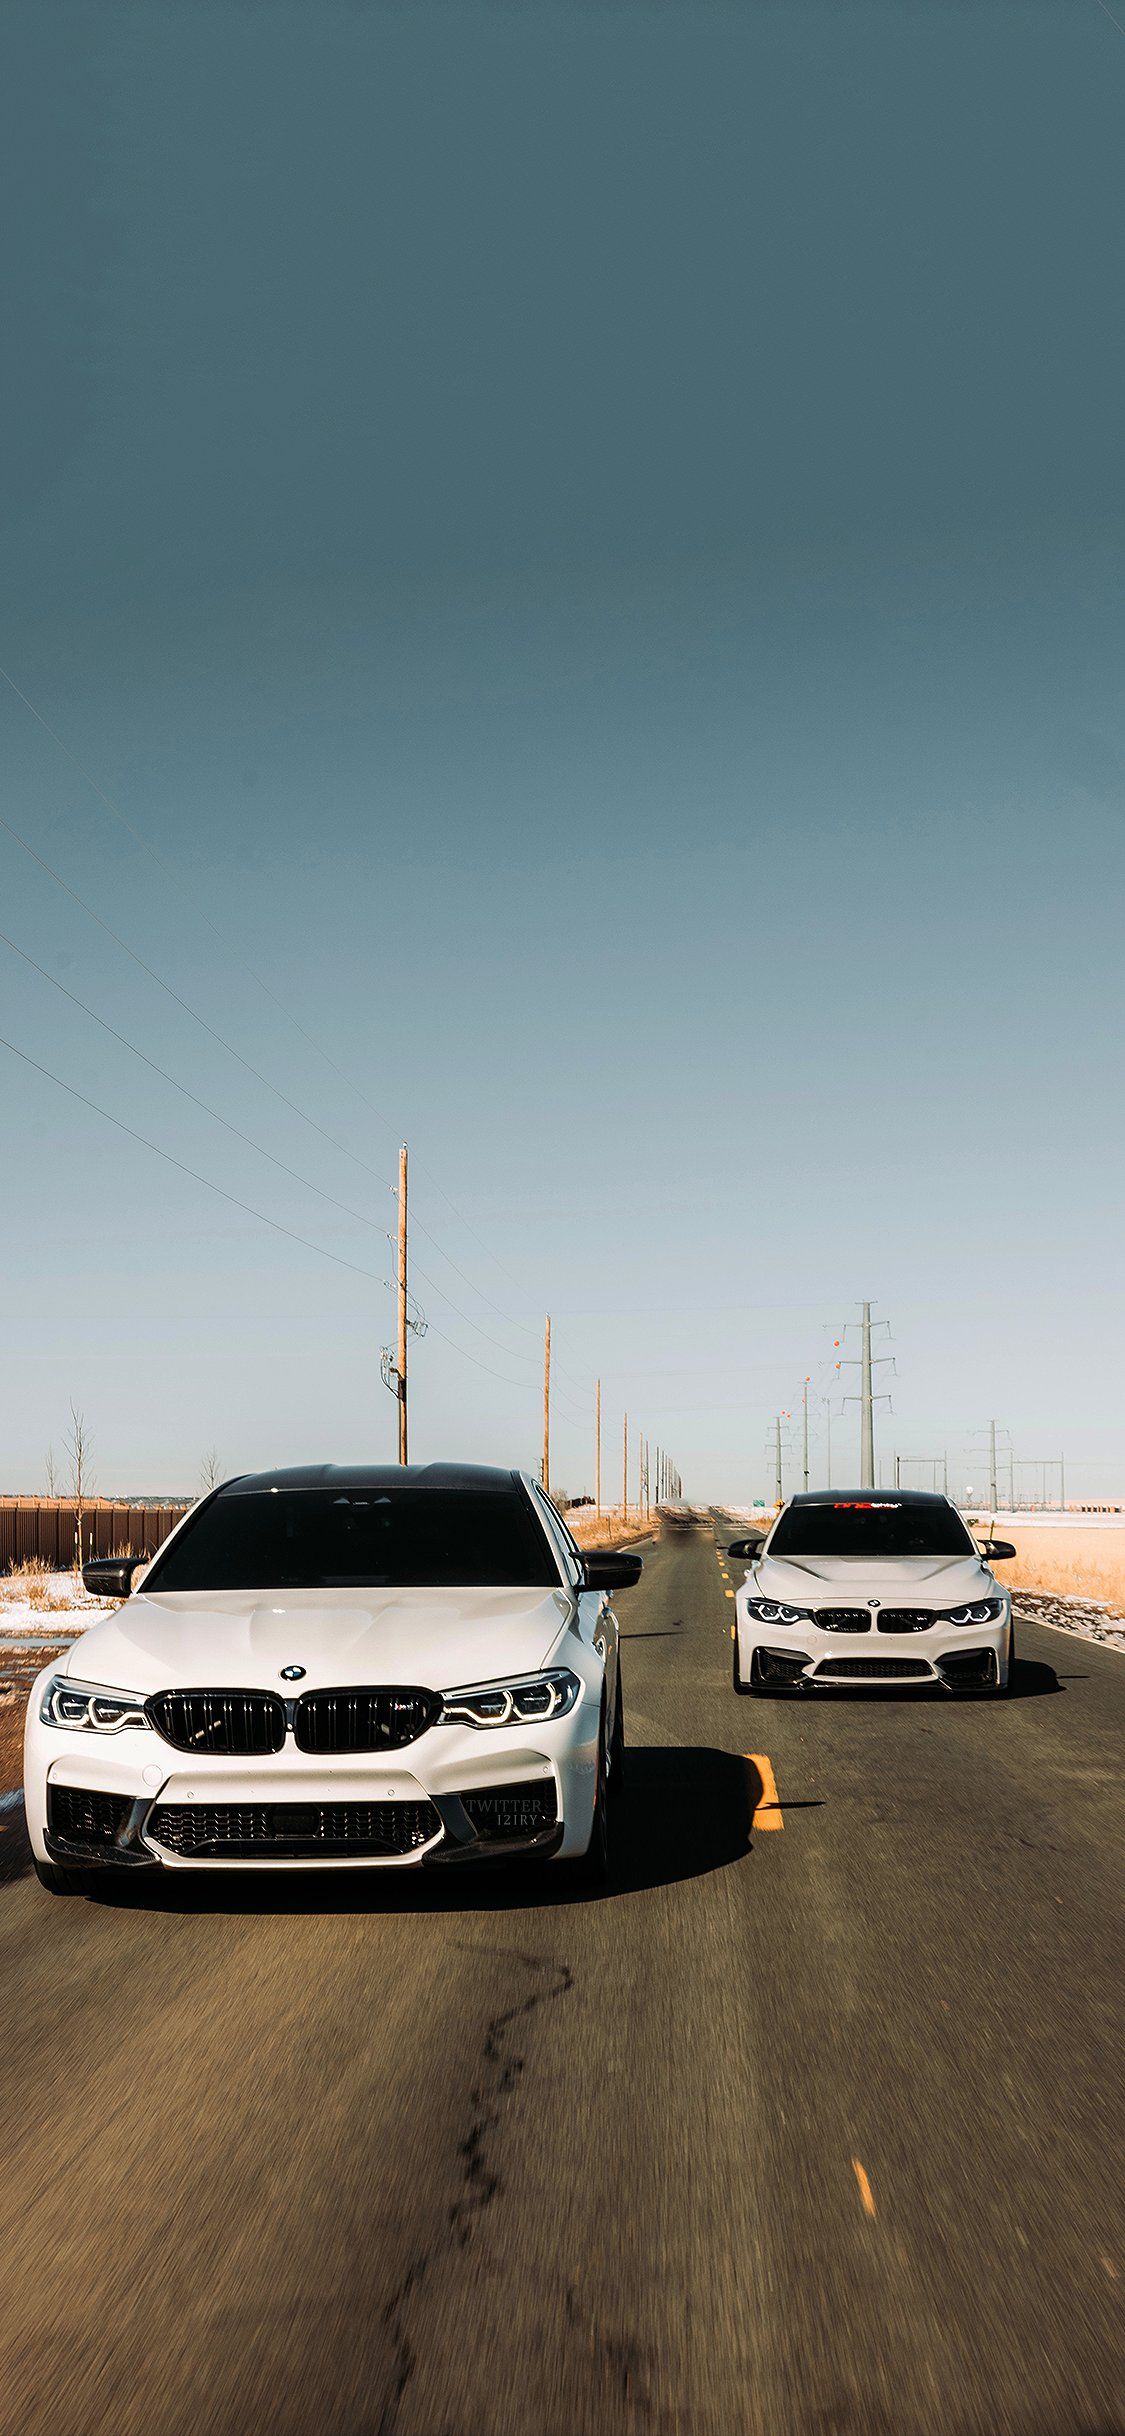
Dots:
{"x": 1091, "y": 1619}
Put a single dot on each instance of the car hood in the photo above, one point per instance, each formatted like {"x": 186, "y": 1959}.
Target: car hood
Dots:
{"x": 938, "y": 1580}
{"x": 243, "y": 1638}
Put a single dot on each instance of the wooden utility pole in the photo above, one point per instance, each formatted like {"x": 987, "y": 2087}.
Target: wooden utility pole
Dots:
{"x": 547, "y": 1408}
{"x": 402, "y": 1320}
{"x": 625, "y": 1470}
{"x": 597, "y": 1446}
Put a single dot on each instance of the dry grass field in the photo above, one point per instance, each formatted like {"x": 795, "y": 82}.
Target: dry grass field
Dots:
{"x": 1073, "y": 1564}
{"x": 610, "y": 1528}
{"x": 34, "y": 1584}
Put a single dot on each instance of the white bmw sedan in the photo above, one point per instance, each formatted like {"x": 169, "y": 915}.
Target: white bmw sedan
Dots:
{"x": 353, "y": 1667}
{"x": 862, "y": 1586}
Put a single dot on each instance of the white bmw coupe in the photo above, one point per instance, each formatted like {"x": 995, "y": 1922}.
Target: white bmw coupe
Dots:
{"x": 353, "y": 1667}
{"x": 862, "y": 1586}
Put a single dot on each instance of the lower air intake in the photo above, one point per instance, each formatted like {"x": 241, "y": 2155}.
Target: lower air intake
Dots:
{"x": 780, "y": 1666}
{"x": 872, "y": 1670}
{"x": 970, "y": 1667}
{"x": 91, "y": 1820}
{"x": 292, "y": 1831}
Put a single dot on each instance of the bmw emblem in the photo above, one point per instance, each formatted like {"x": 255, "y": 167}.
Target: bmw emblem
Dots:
{"x": 292, "y": 1674}
{"x": 871, "y": 1603}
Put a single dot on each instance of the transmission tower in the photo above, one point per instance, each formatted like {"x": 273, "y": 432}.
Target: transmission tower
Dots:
{"x": 865, "y": 1362}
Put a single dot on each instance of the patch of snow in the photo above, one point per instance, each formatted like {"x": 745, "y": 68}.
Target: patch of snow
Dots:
{"x": 69, "y": 1610}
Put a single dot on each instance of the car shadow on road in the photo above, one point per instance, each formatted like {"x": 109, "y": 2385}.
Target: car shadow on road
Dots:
{"x": 683, "y": 1811}
{"x": 1031, "y": 1677}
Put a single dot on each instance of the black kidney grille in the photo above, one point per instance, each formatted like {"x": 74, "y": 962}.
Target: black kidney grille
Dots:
{"x": 362, "y": 1719}
{"x": 237, "y": 1725}
{"x": 843, "y": 1619}
{"x": 870, "y": 1670}
{"x": 292, "y": 1831}
{"x": 906, "y": 1619}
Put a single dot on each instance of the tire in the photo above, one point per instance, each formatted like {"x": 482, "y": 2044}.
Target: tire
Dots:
{"x": 591, "y": 1870}
{"x": 59, "y": 1881}
{"x": 617, "y": 1745}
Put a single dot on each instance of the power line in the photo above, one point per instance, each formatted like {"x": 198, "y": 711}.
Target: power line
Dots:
{"x": 246, "y": 1207}
{"x": 1108, "y": 12}
{"x": 114, "y": 809}
{"x": 185, "y": 1170}
{"x": 200, "y": 913}
{"x": 512, "y": 1353}
{"x": 196, "y": 1017}
{"x": 147, "y": 846}
{"x": 359, "y": 1216}
{"x": 218, "y": 1036}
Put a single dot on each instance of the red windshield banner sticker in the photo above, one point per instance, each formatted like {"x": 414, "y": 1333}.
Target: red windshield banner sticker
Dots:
{"x": 864, "y": 1505}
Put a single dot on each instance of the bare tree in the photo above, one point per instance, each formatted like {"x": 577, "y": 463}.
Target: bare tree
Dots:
{"x": 81, "y": 1478}
{"x": 209, "y": 1470}
{"x": 52, "y": 1473}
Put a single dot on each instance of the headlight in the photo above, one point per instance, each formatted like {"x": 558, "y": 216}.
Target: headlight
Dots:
{"x": 772, "y": 1611}
{"x": 532, "y": 1699}
{"x": 980, "y": 1611}
{"x": 87, "y": 1709}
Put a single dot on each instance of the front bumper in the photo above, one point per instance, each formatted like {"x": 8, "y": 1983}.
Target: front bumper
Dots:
{"x": 948, "y": 1657}
{"x": 458, "y": 1794}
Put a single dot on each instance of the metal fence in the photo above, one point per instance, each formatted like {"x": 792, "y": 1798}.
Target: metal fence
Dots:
{"x": 46, "y": 1529}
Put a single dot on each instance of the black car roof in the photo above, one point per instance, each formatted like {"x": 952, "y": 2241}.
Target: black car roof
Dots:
{"x": 487, "y": 1479}
{"x": 860, "y": 1497}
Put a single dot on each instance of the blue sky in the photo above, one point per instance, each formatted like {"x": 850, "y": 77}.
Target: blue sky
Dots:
{"x": 587, "y": 540}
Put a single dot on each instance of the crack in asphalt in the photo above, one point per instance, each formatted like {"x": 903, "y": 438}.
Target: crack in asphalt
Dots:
{"x": 626, "y": 2364}
{"x": 501, "y": 2070}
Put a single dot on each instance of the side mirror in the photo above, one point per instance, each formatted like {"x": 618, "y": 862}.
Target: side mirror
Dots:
{"x": 111, "y": 1577}
{"x": 746, "y": 1549}
{"x": 611, "y": 1569}
{"x": 994, "y": 1550}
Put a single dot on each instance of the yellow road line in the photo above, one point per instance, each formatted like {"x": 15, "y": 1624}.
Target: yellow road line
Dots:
{"x": 768, "y": 1812}
{"x": 864, "y": 2186}
{"x": 728, "y": 1594}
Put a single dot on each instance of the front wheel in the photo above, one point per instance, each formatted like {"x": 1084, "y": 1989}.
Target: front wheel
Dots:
{"x": 592, "y": 1868}
{"x": 59, "y": 1881}
{"x": 617, "y": 1744}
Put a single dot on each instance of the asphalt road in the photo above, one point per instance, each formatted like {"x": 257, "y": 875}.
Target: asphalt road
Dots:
{"x": 810, "y": 2130}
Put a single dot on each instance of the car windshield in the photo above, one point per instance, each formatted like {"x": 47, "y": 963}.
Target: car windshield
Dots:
{"x": 873, "y": 1526}
{"x": 342, "y": 1538}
